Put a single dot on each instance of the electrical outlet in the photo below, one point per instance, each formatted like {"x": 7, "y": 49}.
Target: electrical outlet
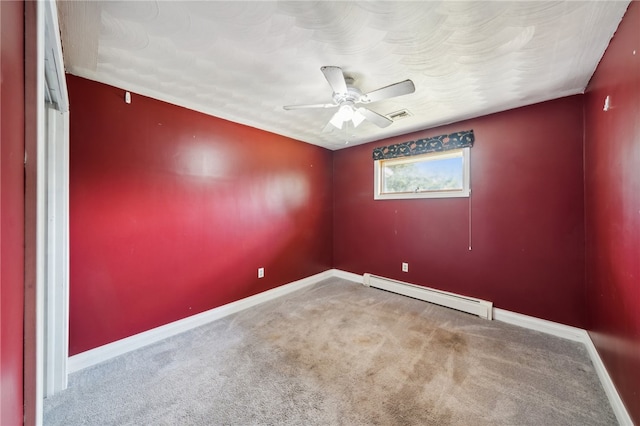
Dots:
{"x": 260, "y": 272}
{"x": 405, "y": 267}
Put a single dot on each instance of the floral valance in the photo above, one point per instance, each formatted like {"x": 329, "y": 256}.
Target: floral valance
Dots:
{"x": 422, "y": 146}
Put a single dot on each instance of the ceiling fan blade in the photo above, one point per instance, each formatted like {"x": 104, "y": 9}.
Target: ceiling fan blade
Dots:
{"x": 391, "y": 91}
{"x": 335, "y": 77}
{"x": 290, "y": 107}
{"x": 374, "y": 117}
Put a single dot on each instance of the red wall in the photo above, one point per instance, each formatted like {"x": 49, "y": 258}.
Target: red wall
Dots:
{"x": 612, "y": 201}
{"x": 11, "y": 211}
{"x": 173, "y": 211}
{"x": 527, "y": 216}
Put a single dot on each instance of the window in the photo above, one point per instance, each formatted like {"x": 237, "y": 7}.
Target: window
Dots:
{"x": 433, "y": 175}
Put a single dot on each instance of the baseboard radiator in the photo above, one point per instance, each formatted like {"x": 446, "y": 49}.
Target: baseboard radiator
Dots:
{"x": 481, "y": 308}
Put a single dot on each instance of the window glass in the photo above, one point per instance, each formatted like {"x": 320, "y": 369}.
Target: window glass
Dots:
{"x": 434, "y": 175}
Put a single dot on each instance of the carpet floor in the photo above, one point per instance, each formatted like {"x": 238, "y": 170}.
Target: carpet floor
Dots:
{"x": 339, "y": 353}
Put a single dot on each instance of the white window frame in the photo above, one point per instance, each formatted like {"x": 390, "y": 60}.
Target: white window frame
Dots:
{"x": 466, "y": 180}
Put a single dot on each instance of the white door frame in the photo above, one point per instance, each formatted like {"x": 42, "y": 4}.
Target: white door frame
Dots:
{"x": 53, "y": 210}
{"x": 56, "y": 286}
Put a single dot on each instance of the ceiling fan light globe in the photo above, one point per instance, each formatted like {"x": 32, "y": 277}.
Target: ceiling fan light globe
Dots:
{"x": 358, "y": 118}
{"x": 336, "y": 120}
{"x": 345, "y": 112}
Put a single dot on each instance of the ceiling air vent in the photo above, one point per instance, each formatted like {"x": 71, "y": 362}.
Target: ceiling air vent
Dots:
{"x": 399, "y": 115}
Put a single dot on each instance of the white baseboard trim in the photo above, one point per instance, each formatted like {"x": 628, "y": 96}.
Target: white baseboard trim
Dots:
{"x": 537, "y": 324}
{"x": 577, "y": 335}
{"x": 609, "y": 388}
{"x": 137, "y": 341}
{"x": 350, "y": 276}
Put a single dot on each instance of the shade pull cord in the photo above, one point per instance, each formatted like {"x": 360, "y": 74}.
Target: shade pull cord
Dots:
{"x": 470, "y": 192}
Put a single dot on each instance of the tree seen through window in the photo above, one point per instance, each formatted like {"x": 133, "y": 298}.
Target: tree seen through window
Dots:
{"x": 445, "y": 174}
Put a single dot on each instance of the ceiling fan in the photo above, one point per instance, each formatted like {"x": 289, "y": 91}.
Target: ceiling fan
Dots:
{"x": 346, "y": 97}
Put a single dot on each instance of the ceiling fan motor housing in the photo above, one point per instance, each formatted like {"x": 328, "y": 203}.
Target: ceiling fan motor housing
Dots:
{"x": 352, "y": 95}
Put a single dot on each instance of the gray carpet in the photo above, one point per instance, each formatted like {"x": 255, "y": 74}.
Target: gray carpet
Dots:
{"x": 339, "y": 353}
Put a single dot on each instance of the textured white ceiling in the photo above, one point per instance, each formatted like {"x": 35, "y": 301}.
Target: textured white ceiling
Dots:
{"x": 243, "y": 61}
